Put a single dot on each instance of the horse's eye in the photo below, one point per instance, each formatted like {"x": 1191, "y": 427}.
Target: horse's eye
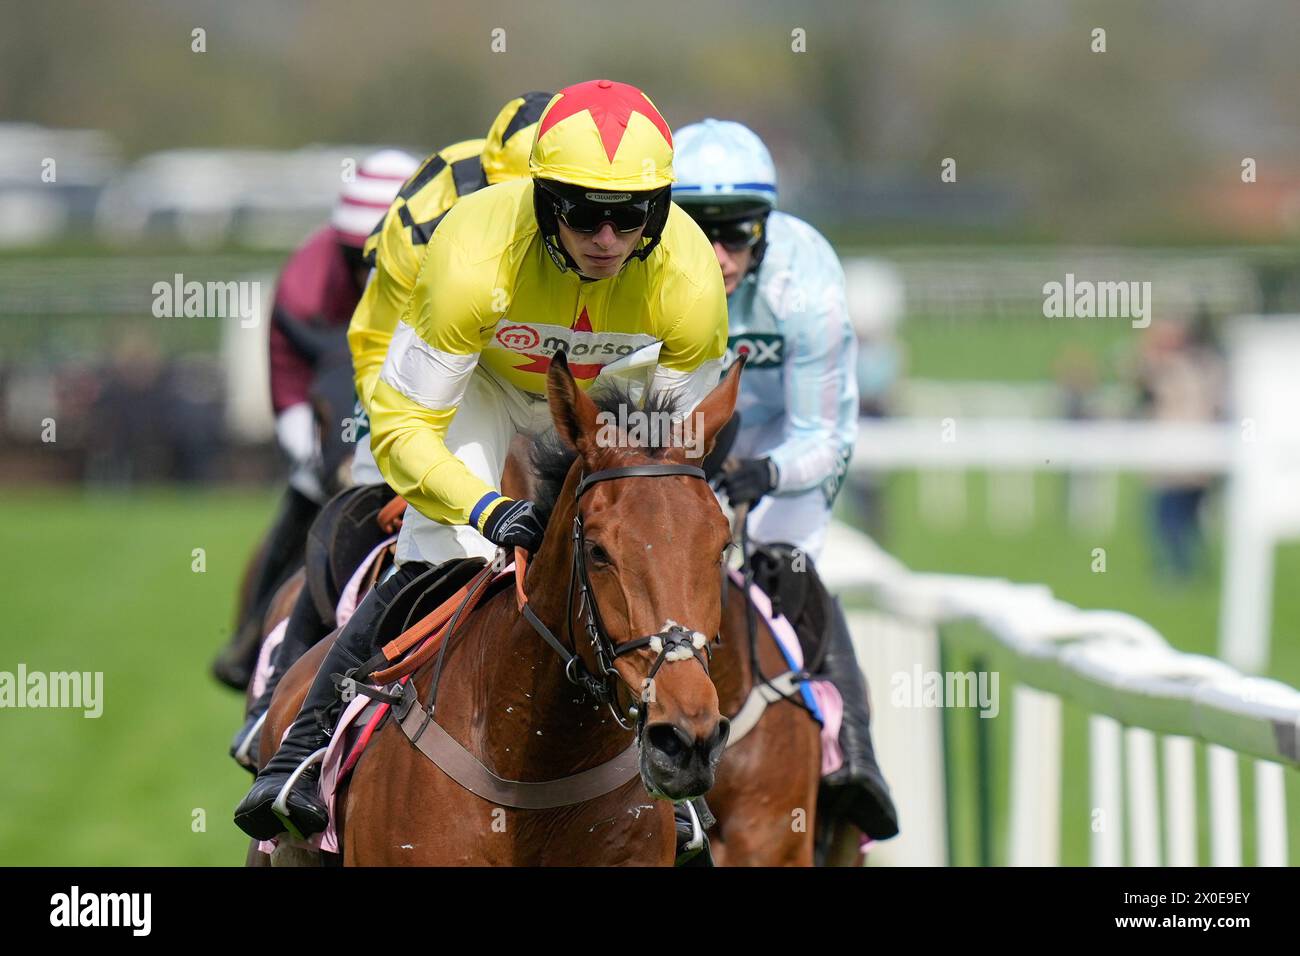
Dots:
{"x": 598, "y": 555}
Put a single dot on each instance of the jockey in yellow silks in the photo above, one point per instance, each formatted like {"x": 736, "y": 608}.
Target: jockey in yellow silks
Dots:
{"x": 345, "y": 532}
{"x": 588, "y": 256}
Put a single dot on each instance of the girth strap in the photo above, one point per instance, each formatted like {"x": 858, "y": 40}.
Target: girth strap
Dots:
{"x": 466, "y": 769}
{"x": 760, "y": 696}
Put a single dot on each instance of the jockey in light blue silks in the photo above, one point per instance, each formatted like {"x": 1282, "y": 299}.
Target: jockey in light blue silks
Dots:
{"x": 797, "y": 409}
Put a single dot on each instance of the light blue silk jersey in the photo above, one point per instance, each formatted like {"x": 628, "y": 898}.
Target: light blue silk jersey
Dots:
{"x": 799, "y": 395}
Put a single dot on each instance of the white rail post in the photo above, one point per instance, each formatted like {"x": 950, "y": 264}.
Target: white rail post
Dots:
{"x": 1143, "y": 797}
{"x": 1225, "y": 807}
{"x": 941, "y": 496}
{"x": 1106, "y": 789}
{"x": 908, "y": 740}
{"x": 1180, "y": 801}
{"x": 1010, "y": 501}
{"x": 1035, "y": 778}
{"x": 1270, "y": 814}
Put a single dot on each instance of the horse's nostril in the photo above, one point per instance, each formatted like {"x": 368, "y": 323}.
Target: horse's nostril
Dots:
{"x": 668, "y": 740}
{"x": 720, "y": 735}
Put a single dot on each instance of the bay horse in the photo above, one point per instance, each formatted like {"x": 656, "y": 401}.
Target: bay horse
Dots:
{"x": 646, "y": 556}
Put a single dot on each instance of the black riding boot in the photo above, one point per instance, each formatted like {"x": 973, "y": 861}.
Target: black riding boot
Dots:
{"x": 315, "y": 722}
{"x": 304, "y": 631}
{"x": 858, "y": 788}
{"x": 343, "y": 535}
{"x": 310, "y": 731}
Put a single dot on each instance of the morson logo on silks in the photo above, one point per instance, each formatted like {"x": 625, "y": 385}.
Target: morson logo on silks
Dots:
{"x": 518, "y": 337}
{"x": 764, "y": 349}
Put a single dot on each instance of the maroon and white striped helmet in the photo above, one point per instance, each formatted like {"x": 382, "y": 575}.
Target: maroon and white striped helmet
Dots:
{"x": 363, "y": 201}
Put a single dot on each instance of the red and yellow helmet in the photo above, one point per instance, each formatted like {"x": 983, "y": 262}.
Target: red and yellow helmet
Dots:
{"x": 601, "y": 144}
{"x": 603, "y": 135}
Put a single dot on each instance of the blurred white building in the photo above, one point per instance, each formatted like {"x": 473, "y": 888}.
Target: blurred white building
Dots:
{"x": 50, "y": 180}
{"x": 208, "y": 197}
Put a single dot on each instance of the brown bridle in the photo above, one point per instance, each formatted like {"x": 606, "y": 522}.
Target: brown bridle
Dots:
{"x": 604, "y": 686}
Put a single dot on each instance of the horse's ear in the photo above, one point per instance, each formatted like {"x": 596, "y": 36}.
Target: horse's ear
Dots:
{"x": 715, "y": 410}
{"x": 573, "y": 413}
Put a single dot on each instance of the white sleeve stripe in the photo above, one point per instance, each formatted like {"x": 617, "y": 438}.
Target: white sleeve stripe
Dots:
{"x": 429, "y": 376}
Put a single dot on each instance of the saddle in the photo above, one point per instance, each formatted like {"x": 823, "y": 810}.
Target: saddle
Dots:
{"x": 341, "y": 537}
{"x": 797, "y": 593}
{"x": 420, "y": 610}
{"x": 365, "y": 515}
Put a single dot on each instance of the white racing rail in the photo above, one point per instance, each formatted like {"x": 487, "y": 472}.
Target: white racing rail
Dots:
{"x": 1258, "y": 451}
{"x": 1137, "y": 688}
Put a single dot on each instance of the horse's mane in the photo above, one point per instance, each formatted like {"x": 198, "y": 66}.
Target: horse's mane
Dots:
{"x": 551, "y": 458}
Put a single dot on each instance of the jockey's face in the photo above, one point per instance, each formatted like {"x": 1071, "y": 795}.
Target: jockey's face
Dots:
{"x": 602, "y": 253}
{"x": 734, "y": 264}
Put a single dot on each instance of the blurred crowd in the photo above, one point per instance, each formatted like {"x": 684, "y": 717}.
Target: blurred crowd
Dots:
{"x": 137, "y": 417}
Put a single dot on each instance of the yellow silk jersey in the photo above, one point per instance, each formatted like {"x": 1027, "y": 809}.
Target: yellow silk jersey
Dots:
{"x": 489, "y": 294}
{"x": 396, "y": 248}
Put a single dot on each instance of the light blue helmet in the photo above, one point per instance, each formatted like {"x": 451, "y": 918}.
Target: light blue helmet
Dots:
{"x": 724, "y": 164}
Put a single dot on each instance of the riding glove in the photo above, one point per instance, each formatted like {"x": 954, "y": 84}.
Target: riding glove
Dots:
{"x": 514, "y": 524}
{"x": 749, "y": 480}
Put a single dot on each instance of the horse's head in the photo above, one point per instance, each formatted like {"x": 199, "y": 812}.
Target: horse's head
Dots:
{"x": 647, "y": 539}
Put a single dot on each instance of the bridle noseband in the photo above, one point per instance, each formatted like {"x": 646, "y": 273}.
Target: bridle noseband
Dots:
{"x": 673, "y": 643}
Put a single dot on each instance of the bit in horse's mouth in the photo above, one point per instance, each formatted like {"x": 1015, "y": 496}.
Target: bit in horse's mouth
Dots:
{"x": 655, "y": 791}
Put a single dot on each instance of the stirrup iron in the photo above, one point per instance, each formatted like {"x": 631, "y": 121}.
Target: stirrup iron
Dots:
{"x": 281, "y": 805}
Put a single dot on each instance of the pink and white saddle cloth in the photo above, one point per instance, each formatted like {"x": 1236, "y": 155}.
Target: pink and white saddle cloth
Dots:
{"x": 820, "y": 696}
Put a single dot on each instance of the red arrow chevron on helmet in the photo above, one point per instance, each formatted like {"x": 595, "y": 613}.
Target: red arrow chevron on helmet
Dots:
{"x": 611, "y": 105}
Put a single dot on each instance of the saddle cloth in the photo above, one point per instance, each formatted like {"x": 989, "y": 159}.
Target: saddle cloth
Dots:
{"x": 822, "y": 698}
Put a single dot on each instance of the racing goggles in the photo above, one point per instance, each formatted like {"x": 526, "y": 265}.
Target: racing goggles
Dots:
{"x": 736, "y": 235}
{"x": 585, "y": 211}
